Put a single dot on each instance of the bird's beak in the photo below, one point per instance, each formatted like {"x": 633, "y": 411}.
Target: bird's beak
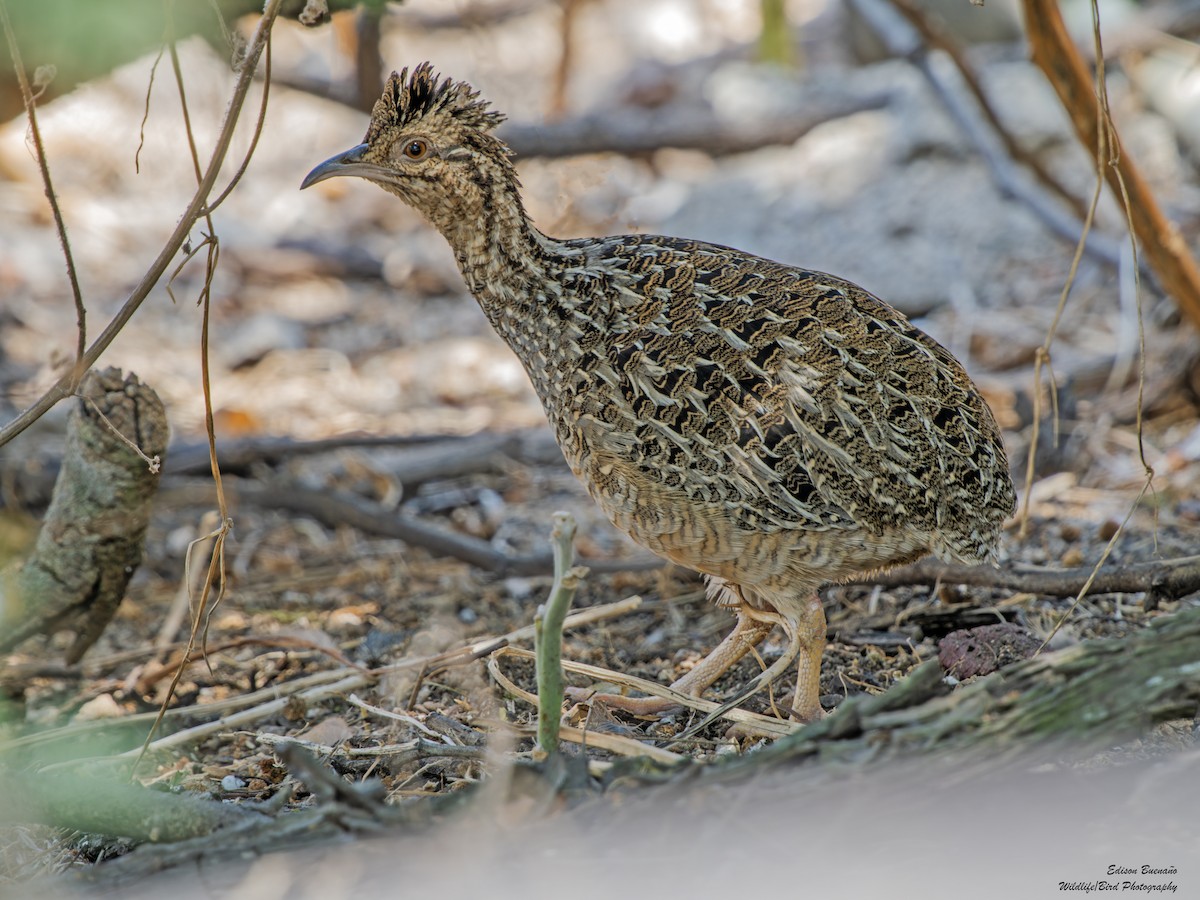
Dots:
{"x": 349, "y": 162}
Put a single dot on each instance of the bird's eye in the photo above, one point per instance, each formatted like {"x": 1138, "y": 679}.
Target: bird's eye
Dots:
{"x": 416, "y": 149}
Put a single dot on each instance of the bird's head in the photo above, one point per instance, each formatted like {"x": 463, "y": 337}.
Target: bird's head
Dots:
{"x": 430, "y": 143}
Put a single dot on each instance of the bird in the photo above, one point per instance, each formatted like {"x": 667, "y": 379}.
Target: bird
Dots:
{"x": 774, "y": 428}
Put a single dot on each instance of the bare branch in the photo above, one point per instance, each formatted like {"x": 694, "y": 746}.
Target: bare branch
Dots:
{"x": 1170, "y": 577}
{"x": 64, "y": 387}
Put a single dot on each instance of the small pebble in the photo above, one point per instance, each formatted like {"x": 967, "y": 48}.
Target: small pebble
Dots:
{"x": 101, "y": 707}
{"x": 1072, "y": 558}
{"x": 468, "y": 616}
{"x": 342, "y": 620}
{"x": 231, "y": 783}
{"x": 1108, "y": 529}
{"x": 1070, "y": 531}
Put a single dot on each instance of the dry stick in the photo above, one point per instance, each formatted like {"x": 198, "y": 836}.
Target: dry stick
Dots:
{"x": 226, "y": 523}
{"x": 634, "y": 132}
{"x": 568, "y": 19}
{"x": 1052, "y": 49}
{"x": 432, "y": 665}
{"x": 1042, "y": 358}
{"x": 1103, "y": 158}
{"x": 398, "y": 754}
{"x": 255, "y": 135}
{"x": 1121, "y": 188}
{"x": 588, "y": 616}
{"x": 65, "y": 385}
{"x": 216, "y": 563}
{"x": 192, "y": 459}
{"x": 1108, "y": 159}
{"x": 77, "y": 731}
{"x": 137, "y": 154}
{"x": 1171, "y": 577}
{"x": 153, "y": 463}
{"x": 234, "y": 721}
{"x": 177, "y": 612}
{"x": 411, "y": 721}
{"x": 548, "y": 628}
{"x": 274, "y": 642}
{"x": 342, "y": 508}
{"x": 30, "y": 110}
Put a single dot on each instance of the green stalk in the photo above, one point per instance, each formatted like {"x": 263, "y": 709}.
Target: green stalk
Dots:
{"x": 547, "y": 631}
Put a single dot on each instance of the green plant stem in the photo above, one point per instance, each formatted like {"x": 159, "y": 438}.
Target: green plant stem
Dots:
{"x": 547, "y": 631}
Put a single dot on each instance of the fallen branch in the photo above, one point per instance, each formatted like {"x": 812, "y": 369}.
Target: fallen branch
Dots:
{"x": 936, "y": 37}
{"x": 634, "y": 131}
{"x": 422, "y": 458}
{"x": 340, "y": 508}
{"x": 244, "y": 453}
{"x": 397, "y": 755}
{"x": 1171, "y": 578}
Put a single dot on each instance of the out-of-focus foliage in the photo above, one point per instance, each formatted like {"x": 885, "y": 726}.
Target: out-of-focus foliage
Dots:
{"x": 84, "y": 39}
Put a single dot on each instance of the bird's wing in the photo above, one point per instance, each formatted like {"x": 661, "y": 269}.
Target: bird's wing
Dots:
{"x": 796, "y": 394}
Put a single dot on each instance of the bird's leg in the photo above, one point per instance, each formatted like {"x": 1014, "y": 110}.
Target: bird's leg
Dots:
{"x": 797, "y": 642}
{"x": 752, "y": 626}
{"x": 806, "y": 643}
{"x": 810, "y": 633}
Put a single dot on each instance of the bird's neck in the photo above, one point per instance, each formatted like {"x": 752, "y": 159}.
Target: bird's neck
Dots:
{"x": 504, "y": 259}
{"x": 516, "y": 274}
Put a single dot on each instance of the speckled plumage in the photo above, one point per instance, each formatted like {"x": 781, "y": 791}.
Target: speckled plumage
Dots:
{"x": 772, "y": 427}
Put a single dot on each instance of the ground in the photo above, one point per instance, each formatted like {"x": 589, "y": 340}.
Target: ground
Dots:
{"x": 338, "y": 313}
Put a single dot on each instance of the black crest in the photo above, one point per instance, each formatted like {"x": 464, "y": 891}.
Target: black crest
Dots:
{"x": 406, "y": 100}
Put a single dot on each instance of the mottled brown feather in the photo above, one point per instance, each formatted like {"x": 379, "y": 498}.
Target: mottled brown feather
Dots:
{"x": 771, "y": 426}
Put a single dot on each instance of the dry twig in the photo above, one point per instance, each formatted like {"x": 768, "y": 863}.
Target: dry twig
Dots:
{"x": 1167, "y": 577}
{"x": 347, "y": 509}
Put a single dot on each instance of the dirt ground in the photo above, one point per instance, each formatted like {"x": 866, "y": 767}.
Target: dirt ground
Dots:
{"x": 337, "y": 314}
